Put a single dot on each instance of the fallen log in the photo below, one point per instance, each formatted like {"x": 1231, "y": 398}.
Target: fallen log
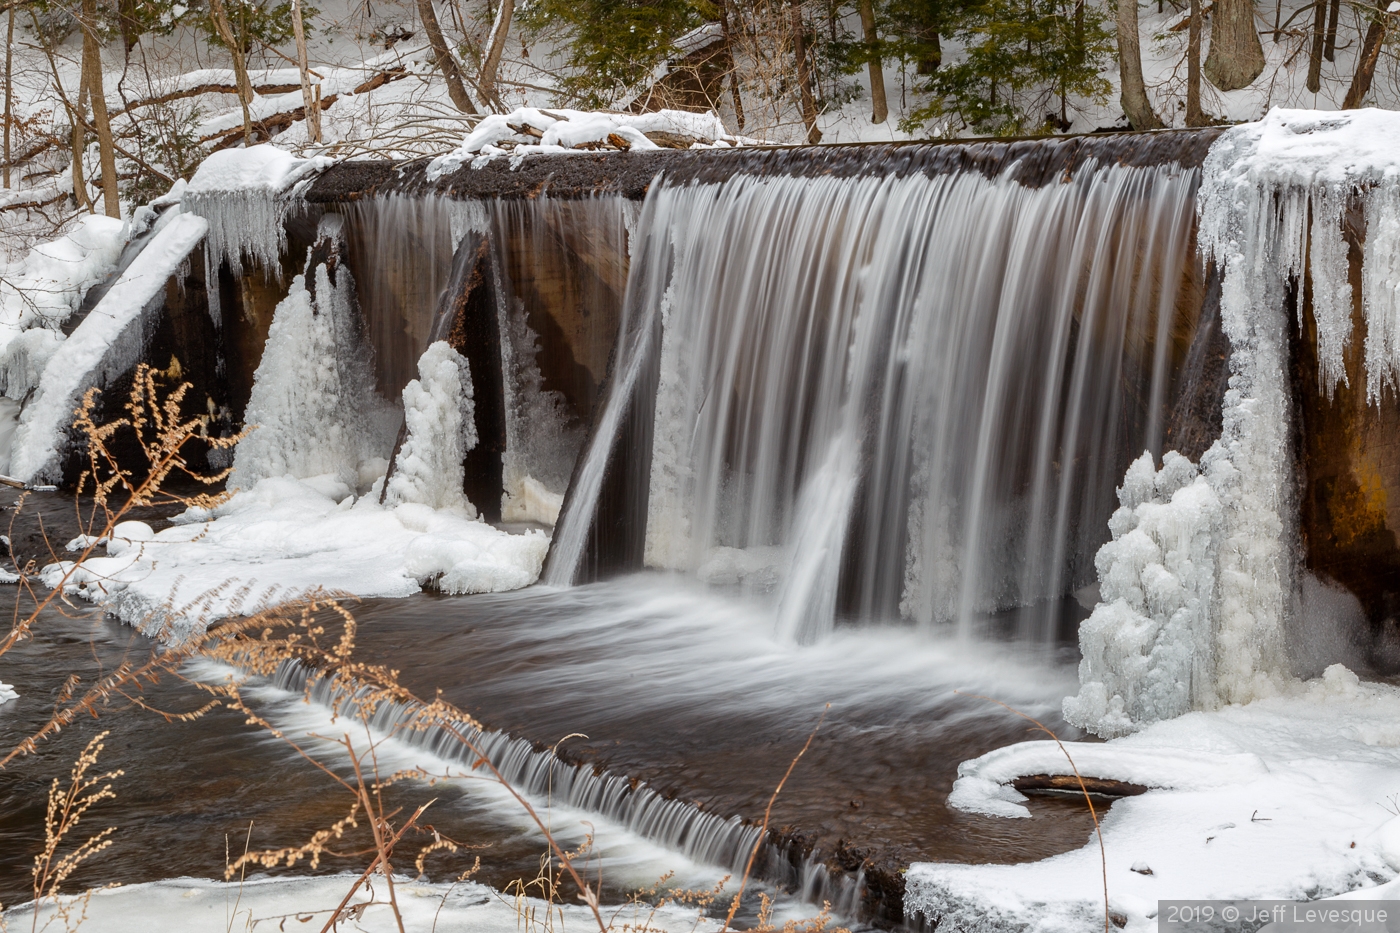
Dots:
{"x": 262, "y": 90}
{"x": 1102, "y": 787}
{"x": 264, "y": 129}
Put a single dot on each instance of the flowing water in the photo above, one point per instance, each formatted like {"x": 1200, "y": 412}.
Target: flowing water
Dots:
{"x": 847, "y": 429}
{"x": 874, "y": 398}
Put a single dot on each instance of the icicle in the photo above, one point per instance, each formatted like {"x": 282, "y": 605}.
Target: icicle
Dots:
{"x": 1331, "y": 286}
{"x": 1380, "y": 291}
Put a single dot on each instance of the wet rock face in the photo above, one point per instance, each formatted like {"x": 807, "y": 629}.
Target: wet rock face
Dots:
{"x": 1349, "y": 474}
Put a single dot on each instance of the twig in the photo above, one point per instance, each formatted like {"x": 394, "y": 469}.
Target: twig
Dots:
{"x": 763, "y": 833}
{"x": 1098, "y": 830}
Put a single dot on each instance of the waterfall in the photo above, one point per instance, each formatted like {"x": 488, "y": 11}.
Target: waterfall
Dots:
{"x": 1201, "y": 578}
{"x": 897, "y": 394}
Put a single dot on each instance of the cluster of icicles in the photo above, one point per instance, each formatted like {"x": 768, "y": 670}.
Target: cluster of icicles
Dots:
{"x": 1198, "y": 580}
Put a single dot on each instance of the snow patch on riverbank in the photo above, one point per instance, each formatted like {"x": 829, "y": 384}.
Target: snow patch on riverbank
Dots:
{"x": 1288, "y": 797}
{"x": 286, "y": 538}
{"x": 197, "y": 905}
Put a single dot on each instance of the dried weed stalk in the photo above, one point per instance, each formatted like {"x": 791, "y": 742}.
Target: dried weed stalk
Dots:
{"x": 319, "y": 634}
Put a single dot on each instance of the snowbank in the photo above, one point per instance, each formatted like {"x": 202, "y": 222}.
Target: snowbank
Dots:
{"x": 1289, "y": 797}
{"x": 107, "y": 343}
{"x": 245, "y": 195}
{"x": 285, "y": 538}
{"x": 198, "y": 905}
{"x": 40, "y": 293}
{"x": 530, "y": 129}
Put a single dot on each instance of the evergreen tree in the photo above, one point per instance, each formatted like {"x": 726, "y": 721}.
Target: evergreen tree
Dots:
{"x": 1023, "y": 60}
{"x": 613, "y": 45}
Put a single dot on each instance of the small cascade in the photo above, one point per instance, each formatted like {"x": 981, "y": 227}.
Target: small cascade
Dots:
{"x": 902, "y": 393}
{"x": 539, "y": 773}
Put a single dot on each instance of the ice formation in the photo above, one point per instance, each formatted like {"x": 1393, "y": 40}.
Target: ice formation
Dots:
{"x": 314, "y": 409}
{"x": 440, "y": 428}
{"x": 1272, "y": 207}
{"x": 107, "y": 344}
{"x": 1148, "y": 639}
{"x": 245, "y": 195}
{"x": 285, "y": 538}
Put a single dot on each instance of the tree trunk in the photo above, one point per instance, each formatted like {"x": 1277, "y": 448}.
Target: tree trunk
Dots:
{"x": 1366, "y": 64}
{"x": 1136, "y": 106}
{"x": 495, "y": 47}
{"x": 1329, "y": 52}
{"x": 309, "y": 100}
{"x": 92, "y": 76}
{"x": 1314, "y": 82}
{"x": 80, "y": 196}
{"x": 131, "y": 28}
{"x": 9, "y": 88}
{"x": 804, "y": 77}
{"x": 879, "y": 107}
{"x": 1236, "y": 58}
{"x": 733, "y": 65}
{"x": 240, "y": 72}
{"x": 1194, "y": 115}
{"x": 445, "y": 60}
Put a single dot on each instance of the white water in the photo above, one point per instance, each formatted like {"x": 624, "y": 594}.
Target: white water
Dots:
{"x": 906, "y": 394}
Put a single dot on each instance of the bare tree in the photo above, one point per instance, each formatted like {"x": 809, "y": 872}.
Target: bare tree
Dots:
{"x": 92, "y": 78}
{"x": 495, "y": 46}
{"x": 1236, "y": 58}
{"x": 445, "y": 60}
{"x": 804, "y": 75}
{"x": 240, "y": 71}
{"x": 1315, "y": 56}
{"x": 733, "y": 65}
{"x": 79, "y": 143}
{"x": 312, "y": 105}
{"x": 879, "y": 107}
{"x": 1194, "y": 114}
{"x": 1136, "y": 106}
{"x": 1329, "y": 52}
{"x": 9, "y": 87}
{"x": 1366, "y": 63}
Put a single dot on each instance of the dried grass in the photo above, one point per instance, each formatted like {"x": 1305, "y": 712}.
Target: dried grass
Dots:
{"x": 319, "y": 633}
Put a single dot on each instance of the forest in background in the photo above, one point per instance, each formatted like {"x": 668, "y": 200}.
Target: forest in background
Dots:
{"x": 142, "y": 90}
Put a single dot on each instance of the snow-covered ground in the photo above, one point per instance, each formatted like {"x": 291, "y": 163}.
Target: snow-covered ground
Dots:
{"x": 197, "y": 905}
{"x": 286, "y": 538}
{"x": 1294, "y": 797}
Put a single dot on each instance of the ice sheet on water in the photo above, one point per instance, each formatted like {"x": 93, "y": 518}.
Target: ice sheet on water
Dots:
{"x": 440, "y": 427}
{"x": 1275, "y": 799}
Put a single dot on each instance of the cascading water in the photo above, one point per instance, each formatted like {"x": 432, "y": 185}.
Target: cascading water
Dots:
{"x": 901, "y": 395}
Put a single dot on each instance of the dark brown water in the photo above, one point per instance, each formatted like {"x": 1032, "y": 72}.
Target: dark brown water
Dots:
{"x": 672, "y": 684}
